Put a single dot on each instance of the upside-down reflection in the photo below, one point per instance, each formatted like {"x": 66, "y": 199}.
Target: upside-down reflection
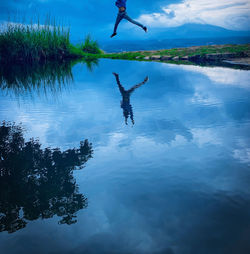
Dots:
{"x": 38, "y": 183}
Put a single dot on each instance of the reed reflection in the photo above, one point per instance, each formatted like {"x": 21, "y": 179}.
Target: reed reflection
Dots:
{"x": 48, "y": 78}
{"x": 125, "y": 103}
{"x": 38, "y": 183}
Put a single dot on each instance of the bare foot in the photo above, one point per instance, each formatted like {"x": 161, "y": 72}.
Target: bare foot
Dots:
{"x": 145, "y": 29}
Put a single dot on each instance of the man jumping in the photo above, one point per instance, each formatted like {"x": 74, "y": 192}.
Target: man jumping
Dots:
{"x": 122, "y": 14}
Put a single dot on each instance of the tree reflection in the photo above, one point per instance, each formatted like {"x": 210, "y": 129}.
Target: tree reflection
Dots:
{"x": 37, "y": 183}
{"x": 125, "y": 103}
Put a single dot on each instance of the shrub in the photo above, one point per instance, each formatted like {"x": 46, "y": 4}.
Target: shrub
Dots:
{"x": 90, "y": 46}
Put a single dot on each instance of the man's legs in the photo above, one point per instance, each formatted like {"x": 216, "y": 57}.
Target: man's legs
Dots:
{"x": 120, "y": 16}
{"x": 133, "y": 21}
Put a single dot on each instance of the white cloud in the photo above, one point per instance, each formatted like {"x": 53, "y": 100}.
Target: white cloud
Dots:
{"x": 230, "y": 14}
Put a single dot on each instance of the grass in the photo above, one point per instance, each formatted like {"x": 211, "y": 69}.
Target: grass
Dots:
{"x": 126, "y": 55}
{"x": 181, "y": 52}
{"x": 34, "y": 43}
{"x": 40, "y": 43}
{"x": 203, "y": 50}
{"x": 90, "y": 46}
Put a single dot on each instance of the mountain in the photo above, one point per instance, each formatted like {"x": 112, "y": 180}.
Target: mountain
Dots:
{"x": 195, "y": 31}
{"x": 183, "y": 36}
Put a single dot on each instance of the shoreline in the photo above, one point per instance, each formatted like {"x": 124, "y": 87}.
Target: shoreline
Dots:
{"x": 235, "y": 56}
{"x": 217, "y": 55}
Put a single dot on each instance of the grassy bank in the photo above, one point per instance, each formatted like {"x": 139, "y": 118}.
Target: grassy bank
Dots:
{"x": 41, "y": 43}
{"x": 215, "y": 52}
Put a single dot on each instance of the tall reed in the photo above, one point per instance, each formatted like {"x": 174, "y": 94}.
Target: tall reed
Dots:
{"x": 34, "y": 43}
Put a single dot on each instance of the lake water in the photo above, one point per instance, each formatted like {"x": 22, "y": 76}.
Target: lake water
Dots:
{"x": 163, "y": 167}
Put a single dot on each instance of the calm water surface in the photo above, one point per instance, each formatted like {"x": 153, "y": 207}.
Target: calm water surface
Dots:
{"x": 162, "y": 167}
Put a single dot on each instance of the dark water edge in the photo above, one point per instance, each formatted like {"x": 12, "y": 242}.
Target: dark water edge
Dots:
{"x": 122, "y": 45}
{"x": 222, "y": 63}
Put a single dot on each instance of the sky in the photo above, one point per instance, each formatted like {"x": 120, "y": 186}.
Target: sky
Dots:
{"x": 97, "y": 16}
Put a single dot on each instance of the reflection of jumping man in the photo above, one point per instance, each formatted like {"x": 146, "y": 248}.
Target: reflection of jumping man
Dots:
{"x": 125, "y": 103}
{"x": 122, "y": 14}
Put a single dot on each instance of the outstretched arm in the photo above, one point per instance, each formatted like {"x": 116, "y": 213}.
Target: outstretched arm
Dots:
{"x": 131, "y": 90}
{"x": 121, "y": 88}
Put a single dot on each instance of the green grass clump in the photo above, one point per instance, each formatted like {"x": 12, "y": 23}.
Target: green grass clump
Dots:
{"x": 90, "y": 46}
{"x": 40, "y": 43}
{"x": 34, "y": 43}
{"x": 203, "y": 50}
{"x": 126, "y": 55}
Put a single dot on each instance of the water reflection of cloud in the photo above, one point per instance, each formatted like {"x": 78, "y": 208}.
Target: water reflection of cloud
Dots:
{"x": 165, "y": 219}
{"x": 205, "y": 97}
{"x": 225, "y": 76}
{"x": 165, "y": 131}
{"x": 242, "y": 151}
{"x": 242, "y": 154}
{"x": 206, "y": 136}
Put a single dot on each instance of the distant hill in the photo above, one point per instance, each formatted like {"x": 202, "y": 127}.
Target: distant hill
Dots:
{"x": 183, "y": 36}
{"x": 162, "y": 38}
{"x": 124, "y": 45}
{"x": 195, "y": 31}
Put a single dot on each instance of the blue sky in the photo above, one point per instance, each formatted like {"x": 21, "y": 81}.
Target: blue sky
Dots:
{"x": 97, "y": 16}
